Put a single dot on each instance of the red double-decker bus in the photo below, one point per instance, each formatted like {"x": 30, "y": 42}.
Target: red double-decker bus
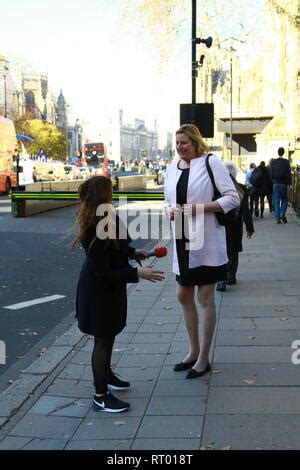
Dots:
{"x": 8, "y": 148}
{"x": 94, "y": 154}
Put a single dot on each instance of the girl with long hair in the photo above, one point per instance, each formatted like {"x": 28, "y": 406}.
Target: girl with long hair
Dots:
{"x": 101, "y": 303}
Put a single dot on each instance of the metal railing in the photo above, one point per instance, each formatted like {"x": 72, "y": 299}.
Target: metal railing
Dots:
{"x": 294, "y": 190}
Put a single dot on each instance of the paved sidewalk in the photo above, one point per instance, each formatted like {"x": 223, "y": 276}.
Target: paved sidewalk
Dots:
{"x": 250, "y": 401}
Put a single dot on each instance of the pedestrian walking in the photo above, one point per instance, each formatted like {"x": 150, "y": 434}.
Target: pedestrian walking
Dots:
{"x": 260, "y": 181}
{"x": 281, "y": 177}
{"x": 101, "y": 303}
{"x": 234, "y": 233}
{"x": 187, "y": 185}
{"x": 248, "y": 174}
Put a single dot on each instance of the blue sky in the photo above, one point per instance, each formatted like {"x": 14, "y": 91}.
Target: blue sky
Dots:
{"x": 98, "y": 63}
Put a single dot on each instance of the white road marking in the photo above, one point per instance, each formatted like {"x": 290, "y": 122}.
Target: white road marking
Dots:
{"x": 42, "y": 300}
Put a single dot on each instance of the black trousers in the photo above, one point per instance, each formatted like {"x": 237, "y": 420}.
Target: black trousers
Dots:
{"x": 232, "y": 266}
{"x": 101, "y": 357}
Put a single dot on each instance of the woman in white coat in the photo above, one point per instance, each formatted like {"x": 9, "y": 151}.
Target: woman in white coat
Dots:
{"x": 188, "y": 204}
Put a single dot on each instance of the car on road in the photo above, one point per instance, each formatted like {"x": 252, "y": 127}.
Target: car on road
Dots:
{"x": 85, "y": 172}
{"x": 73, "y": 172}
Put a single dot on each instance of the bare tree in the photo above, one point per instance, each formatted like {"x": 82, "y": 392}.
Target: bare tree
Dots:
{"x": 165, "y": 23}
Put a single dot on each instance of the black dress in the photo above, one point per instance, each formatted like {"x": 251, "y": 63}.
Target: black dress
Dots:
{"x": 201, "y": 275}
{"x": 101, "y": 303}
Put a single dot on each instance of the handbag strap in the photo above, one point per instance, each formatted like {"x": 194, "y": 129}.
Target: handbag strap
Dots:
{"x": 210, "y": 173}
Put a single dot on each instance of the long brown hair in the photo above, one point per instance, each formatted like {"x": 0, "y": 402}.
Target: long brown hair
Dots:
{"x": 93, "y": 192}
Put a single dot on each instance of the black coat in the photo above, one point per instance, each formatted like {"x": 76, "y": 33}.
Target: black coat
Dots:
{"x": 234, "y": 231}
{"x": 265, "y": 185}
{"x": 101, "y": 303}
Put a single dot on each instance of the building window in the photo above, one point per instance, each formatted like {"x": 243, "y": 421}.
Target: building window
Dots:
{"x": 29, "y": 102}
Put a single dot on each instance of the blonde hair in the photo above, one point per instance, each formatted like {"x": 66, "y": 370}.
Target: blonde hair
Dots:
{"x": 194, "y": 134}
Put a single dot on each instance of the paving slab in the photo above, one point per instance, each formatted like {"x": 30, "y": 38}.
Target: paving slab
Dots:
{"x": 252, "y": 432}
{"x": 255, "y": 338}
{"x": 258, "y": 354}
{"x": 60, "y": 406}
{"x": 256, "y": 375}
{"x": 166, "y": 444}
{"x": 105, "y": 428}
{"x": 100, "y": 444}
{"x": 186, "y": 427}
{"x": 255, "y": 400}
{"x": 52, "y": 427}
{"x": 139, "y": 373}
{"x": 179, "y": 386}
{"x": 175, "y": 405}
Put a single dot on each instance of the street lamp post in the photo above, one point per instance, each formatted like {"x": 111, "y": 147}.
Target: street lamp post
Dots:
{"x": 231, "y": 107}
{"x": 5, "y": 91}
{"x": 195, "y": 65}
{"x": 5, "y": 99}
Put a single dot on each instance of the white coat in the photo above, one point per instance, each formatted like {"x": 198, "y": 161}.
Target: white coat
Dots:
{"x": 200, "y": 191}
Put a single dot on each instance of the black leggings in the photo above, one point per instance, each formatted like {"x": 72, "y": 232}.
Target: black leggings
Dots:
{"x": 101, "y": 357}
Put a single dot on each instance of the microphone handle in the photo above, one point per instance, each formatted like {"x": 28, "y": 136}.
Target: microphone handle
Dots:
{"x": 151, "y": 253}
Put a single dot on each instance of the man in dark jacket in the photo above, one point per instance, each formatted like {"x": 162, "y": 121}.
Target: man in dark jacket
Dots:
{"x": 280, "y": 174}
{"x": 260, "y": 187}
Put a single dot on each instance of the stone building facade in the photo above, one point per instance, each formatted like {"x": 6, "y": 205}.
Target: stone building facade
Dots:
{"x": 265, "y": 97}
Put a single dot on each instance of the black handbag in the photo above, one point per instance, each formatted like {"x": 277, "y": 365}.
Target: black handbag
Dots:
{"x": 232, "y": 215}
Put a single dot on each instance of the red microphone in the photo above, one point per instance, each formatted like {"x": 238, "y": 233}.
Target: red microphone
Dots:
{"x": 159, "y": 252}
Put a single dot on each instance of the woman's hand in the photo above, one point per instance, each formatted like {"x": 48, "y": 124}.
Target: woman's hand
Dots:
{"x": 150, "y": 274}
{"x": 189, "y": 209}
{"x": 249, "y": 234}
{"x": 175, "y": 212}
{"x": 140, "y": 254}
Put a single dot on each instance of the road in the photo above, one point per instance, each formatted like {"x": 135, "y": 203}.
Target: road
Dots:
{"x": 36, "y": 262}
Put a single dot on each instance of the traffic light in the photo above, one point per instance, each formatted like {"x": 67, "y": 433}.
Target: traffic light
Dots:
{"x": 79, "y": 154}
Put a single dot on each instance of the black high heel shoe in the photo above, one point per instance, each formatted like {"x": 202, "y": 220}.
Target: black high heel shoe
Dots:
{"x": 183, "y": 366}
{"x": 192, "y": 373}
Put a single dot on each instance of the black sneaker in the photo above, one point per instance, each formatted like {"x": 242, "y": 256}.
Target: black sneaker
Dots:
{"x": 114, "y": 383}
{"x": 221, "y": 286}
{"x": 109, "y": 403}
{"x": 283, "y": 218}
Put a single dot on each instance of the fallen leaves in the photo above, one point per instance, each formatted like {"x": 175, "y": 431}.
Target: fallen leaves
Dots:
{"x": 248, "y": 381}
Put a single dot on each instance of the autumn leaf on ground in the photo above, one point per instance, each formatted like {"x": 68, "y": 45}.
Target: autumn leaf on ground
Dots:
{"x": 119, "y": 423}
{"x": 167, "y": 308}
{"x": 248, "y": 381}
{"x": 207, "y": 447}
{"x": 251, "y": 337}
{"x": 67, "y": 333}
{"x": 279, "y": 309}
{"x": 283, "y": 318}
{"x": 226, "y": 448}
{"x": 42, "y": 351}
{"x": 217, "y": 371}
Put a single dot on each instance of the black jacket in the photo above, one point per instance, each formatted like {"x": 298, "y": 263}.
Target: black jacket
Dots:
{"x": 280, "y": 171}
{"x": 101, "y": 303}
{"x": 234, "y": 231}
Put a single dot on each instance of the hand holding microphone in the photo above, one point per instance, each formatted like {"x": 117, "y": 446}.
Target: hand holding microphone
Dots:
{"x": 159, "y": 252}
{"x": 148, "y": 272}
